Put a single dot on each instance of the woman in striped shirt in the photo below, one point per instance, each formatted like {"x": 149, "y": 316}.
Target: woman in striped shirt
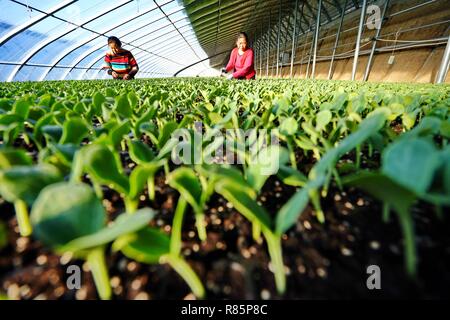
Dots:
{"x": 120, "y": 62}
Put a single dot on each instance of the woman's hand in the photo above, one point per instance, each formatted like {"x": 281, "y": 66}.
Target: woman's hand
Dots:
{"x": 115, "y": 75}
{"x": 131, "y": 74}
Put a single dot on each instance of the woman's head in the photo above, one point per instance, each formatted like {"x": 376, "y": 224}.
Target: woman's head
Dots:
{"x": 114, "y": 43}
{"x": 242, "y": 41}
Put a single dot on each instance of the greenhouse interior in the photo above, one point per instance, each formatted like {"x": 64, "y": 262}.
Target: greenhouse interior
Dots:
{"x": 224, "y": 150}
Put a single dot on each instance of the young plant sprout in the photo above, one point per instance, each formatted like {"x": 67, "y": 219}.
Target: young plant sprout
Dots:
{"x": 152, "y": 246}
{"x": 68, "y": 217}
{"x": 190, "y": 188}
{"x": 21, "y": 183}
{"x": 320, "y": 140}
{"x": 409, "y": 168}
{"x": 104, "y": 168}
{"x": 237, "y": 192}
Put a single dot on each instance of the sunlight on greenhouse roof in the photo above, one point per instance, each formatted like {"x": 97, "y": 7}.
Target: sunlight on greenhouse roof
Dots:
{"x": 66, "y": 40}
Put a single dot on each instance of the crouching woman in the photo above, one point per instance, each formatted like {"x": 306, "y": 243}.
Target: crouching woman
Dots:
{"x": 120, "y": 63}
{"x": 241, "y": 60}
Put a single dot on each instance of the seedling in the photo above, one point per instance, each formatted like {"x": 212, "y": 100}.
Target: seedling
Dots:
{"x": 104, "y": 168}
{"x": 20, "y": 184}
{"x": 68, "y": 217}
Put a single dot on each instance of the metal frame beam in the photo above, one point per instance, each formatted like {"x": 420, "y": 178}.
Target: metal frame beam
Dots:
{"x": 35, "y": 20}
{"x": 48, "y": 41}
{"x": 139, "y": 47}
{"x": 268, "y": 49}
{"x": 86, "y": 54}
{"x": 67, "y": 52}
{"x": 316, "y": 38}
{"x": 358, "y": 39}
{"x": 445, "y": 64}
{"x": 278, "y": 38}
{"x": 293, "y": 38}
{"x": 338, "y": 34}
{"x": 374, "y": 44}
{"x": 176, "y": 28}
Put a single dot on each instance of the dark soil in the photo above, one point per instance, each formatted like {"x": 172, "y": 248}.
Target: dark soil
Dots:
{"x": 322, "y": 260}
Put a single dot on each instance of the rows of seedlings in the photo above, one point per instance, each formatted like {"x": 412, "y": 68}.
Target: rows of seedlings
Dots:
{"x": 205, "y": 188}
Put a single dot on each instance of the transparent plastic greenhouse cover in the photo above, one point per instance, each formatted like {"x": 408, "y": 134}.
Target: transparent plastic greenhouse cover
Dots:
{"x": 66, "y": 40}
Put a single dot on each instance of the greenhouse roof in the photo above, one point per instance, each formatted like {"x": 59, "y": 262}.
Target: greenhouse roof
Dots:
{"x": 60, "y": 40}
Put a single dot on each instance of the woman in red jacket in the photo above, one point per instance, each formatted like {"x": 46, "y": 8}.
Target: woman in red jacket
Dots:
{"x": 241, "y": 60}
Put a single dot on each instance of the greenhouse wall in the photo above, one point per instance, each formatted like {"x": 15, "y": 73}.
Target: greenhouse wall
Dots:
{"x": 418, "y": 63}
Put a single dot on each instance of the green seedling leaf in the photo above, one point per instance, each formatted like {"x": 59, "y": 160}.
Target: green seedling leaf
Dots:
{"x": 133, "y": 100}
{"x": 118, "y": 132}
{"x": 152, "y": 246}
{"x": 8, "y": 119}
{"x": 412, "y": 163}
{"x": 123, "y": 107}
{"x": 6, "y": 104}
{"x": 289, "y": 127}
{"x": 22, "y": 107}
{"x": 25, "y": 182}
{"x": 288, "y": 215}
{"x": 97, "y": 100}
{"x": 141, "y": 175}
{"x": 266, "y": 164}
{"x": 35, "y": 114}
{"x": 188, "y": 184}
{"x": 47, "y": 100}
{"x": 291, "y": 176}
{"x": 145, "y": 118}
{"x": 168, "y": 148}
{"x": 323, "y": 118}
{"x": 110, "y": 92}
{"x": 53, "y": 132}
{"x": 166, "y": 133}
{"x": 397, "y": 109}
{"x": 446, "y": 163}
{"x": 43, "y": 121}
{"x": 243, "y": 203}
{"x": 140, "y": 152}
{"x": 146, "y": 246}
{"x": 214, "y": 118}
{"x": 64, "y": 212}
{"x": 429, "y": 126}
{"x": 13, "y": 157}
{"x": 80, "y": 108}
{"x": 221, "y": 173}
{"x": 409, "y": 119}
{"x": 124, "y": 224}
{"x": 100, "y": 163}
{"x": 74, "y": 131}
{"x": 305, "y": 143}
{"x": 383, "y": 188}
{"x": 445, "y": 129}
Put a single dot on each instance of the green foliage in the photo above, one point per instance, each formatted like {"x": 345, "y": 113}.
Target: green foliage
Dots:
{"x": 68, "y": 217}
{"x": 121, "y": 136}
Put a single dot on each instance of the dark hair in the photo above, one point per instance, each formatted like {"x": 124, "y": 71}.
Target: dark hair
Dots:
{"x": 116, "y": 40}
{"x": 242, "y": 35}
